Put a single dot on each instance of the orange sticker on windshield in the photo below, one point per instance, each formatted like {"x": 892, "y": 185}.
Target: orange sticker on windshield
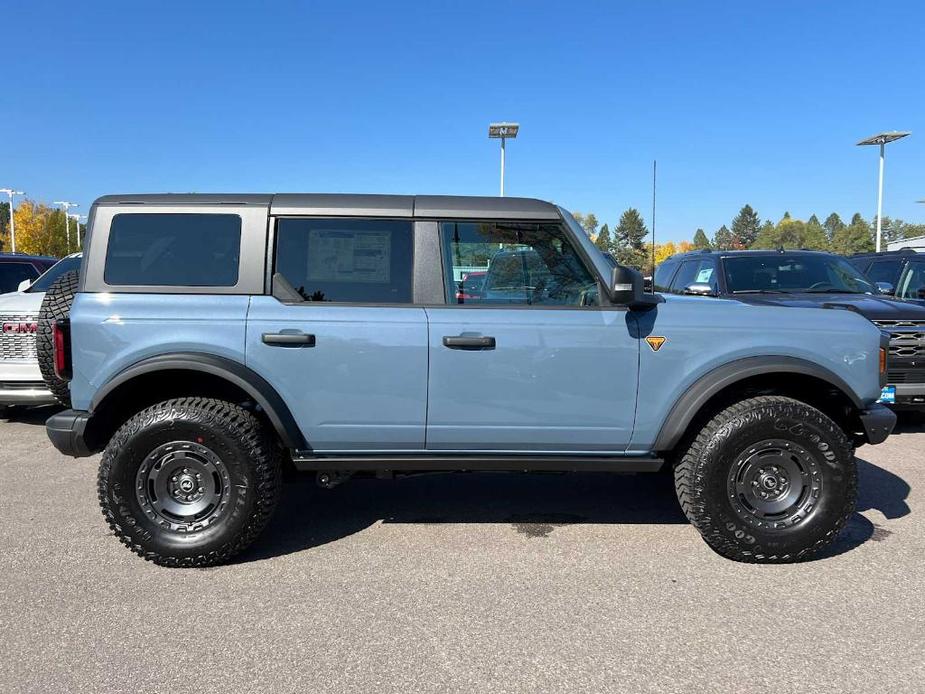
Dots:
{"x": 656, "y": 342}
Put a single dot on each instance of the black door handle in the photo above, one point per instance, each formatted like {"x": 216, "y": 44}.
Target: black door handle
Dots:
{"x": 468, "y": 343}
{"x": 289, "y": 339}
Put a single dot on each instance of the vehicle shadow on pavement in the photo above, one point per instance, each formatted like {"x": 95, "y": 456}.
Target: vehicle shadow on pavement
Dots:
{"x": 879, "y": 490}
{"x": 534, "y": 505}
{"x": 29, "y": 415}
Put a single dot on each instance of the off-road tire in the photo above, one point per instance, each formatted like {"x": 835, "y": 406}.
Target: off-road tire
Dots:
{"x": 55, "y": 305}
{"x": 705, "y": 482}
{"x": 248, "y": 455}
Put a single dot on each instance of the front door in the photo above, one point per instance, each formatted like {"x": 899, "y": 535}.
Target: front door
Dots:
{"x": 339, "y": 339}
{"x": 530, "y": 362}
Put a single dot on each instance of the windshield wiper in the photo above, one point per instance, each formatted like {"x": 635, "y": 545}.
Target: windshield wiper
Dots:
{"x": 832, "y": 291}
{"x": 759, "y": 291}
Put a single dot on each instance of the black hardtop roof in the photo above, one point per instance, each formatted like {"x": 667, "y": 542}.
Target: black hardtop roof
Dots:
{"x": 751, "y": 252}
{"x": 875, "y": 254}
{"x": 349, "y": 204}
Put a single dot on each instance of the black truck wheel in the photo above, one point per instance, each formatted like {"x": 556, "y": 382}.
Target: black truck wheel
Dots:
{"x": 189, "y": 481}
{"x": 56, "y": 304}
{"x": 768, "y": 480}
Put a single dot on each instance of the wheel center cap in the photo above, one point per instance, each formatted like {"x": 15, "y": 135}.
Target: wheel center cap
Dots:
{"x": 187, "y": 484}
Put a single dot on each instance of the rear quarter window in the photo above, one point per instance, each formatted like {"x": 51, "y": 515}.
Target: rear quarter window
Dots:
{"x": 173, "y": 250}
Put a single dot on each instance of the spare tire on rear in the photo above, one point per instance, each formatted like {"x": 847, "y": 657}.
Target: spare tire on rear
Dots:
{"x": 55, "y": 305}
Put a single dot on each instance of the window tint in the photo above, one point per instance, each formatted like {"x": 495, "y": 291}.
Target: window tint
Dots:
{"x": 884, "y": 270}
{"x": 11, "y": 274}
{"x": 663, "y": 275}
{"x": 174, "y": 250}
{"x": 516, "y": 263}
{"x": 347, "y": 260}
{"x": 45, "y": 281}
{"x": 701, "y": 271}
{"x": 822, "y": 273}
{"x": 912, "y": 282}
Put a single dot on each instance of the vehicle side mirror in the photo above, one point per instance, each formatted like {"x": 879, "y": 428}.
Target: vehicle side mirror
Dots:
{"x": 626, "y": 287}
{"x": 24, "y": 285}
{"x": 699, "y": 289}
{"x": 885, "y": 288}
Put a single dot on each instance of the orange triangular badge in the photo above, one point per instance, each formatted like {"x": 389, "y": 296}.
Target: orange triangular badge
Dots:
{"x": 656, "y": 342}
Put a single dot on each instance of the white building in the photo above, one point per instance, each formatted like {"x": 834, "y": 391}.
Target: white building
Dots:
{"x": 916, "y": 242}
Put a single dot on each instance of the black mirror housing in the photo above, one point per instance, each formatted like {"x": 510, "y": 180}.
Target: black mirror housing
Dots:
{"x": 626, "y": 287}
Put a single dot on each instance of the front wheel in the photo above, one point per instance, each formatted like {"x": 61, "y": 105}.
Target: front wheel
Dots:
{"x": 189, "y": 481}
{"x": 768, "y": 480}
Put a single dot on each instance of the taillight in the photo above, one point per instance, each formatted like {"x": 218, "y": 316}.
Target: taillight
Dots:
{"x": 61, "y": 333}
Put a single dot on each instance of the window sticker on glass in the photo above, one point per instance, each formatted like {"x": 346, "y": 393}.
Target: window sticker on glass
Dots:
{"x": 342, "y": 256}
{"x": 704, "y": 276}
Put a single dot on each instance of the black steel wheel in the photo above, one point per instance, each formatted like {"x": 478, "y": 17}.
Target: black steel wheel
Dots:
{"x": 189, "y": 481}
{"x": 770, "y": 479}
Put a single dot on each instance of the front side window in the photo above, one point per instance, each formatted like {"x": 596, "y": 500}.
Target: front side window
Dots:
{"x": 702, "y": 271}
{"x": 365, "y": 261}
{"x": 824, "y": 274}
{"x": 514, "y": 263}
{"x": 912, "y": 282}
{"x": 173, "y": 250}
{"x": 12, "y": 274}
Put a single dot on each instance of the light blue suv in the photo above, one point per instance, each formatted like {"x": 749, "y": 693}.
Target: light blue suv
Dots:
{"x": 214, "y": 339}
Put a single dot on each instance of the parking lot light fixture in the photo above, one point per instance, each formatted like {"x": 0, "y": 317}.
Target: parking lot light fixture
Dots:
{"x": 10, "y": 192}
{"x": 503, "y": 131}
{"x": 882, "y": 139}
{"x": 65, "y": 205}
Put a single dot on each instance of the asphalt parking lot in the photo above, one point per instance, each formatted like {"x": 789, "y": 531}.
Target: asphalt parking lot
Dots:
{"x": 458, "y": 583}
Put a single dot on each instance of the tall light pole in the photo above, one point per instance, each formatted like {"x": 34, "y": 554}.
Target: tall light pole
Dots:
{"x": 67, "y": 219}
{"x": 11, "y": 193}
{"x": 503, "y": 131}
{"x": 77, "y": 218}
{"x": 882, "y": 139}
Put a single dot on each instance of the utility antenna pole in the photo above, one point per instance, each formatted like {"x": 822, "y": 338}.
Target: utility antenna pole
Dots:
{"x": 654, "y": 165}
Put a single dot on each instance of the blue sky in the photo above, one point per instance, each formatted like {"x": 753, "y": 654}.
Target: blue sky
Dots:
{"x": 757, "y": 102}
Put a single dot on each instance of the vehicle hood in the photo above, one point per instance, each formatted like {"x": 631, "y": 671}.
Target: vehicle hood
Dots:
{"x": 17, "y": 303}
{"x": 869, "y": 306}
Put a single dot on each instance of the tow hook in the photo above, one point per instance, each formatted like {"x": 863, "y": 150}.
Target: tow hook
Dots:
{"x": 328, "y": 479}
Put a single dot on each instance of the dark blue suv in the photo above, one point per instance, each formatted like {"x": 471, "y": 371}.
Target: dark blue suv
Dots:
{"x": 805, "y": 279}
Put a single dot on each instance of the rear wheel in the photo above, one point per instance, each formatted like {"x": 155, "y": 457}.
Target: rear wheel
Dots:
{"x": 768, "y": 480}
{"x": 189, "y": 481}
{"x": 55, "y": 305}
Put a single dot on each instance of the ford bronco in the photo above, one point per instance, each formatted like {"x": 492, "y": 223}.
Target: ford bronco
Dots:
{"x": 212, "y": 340}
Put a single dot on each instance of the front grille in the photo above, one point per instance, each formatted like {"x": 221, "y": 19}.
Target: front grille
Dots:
{"x": 17, "y": 345}
{"x": 907, "y": 338}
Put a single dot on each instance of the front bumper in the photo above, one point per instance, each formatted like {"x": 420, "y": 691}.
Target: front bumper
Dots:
{"x": 878, "y": 422}
{"x": 21, "y": 384}
{"x": 67, "y": 432}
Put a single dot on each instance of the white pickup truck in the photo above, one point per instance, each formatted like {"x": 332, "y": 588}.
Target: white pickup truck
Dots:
{"x": 20, "y": 379}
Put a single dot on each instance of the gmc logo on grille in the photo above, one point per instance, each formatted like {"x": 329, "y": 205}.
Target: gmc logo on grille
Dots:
{"x": 20, "y": 328}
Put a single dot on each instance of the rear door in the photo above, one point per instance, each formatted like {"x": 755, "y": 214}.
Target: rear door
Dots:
{"x": 534, "y": 363}
{"x": 340, "y": 339}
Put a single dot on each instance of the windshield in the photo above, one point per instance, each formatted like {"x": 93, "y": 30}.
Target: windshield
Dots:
{"x": 54, "y": 272}
{"x": 911, "y": 284}
{"x": 794, "y": 273}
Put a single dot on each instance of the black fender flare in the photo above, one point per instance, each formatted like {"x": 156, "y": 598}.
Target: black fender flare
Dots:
{"x": 234, "y": 372}
{"x": 709, "y": 384}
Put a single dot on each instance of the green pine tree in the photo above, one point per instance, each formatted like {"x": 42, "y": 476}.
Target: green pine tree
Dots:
{"x": 701, "y": 242}
{"x": 723, "y": 240}
{"x": 603, "y": 240}
{"x": 745, "y": 227}
{"x": 629, "y": 244}
{"x": 832, "y": 224}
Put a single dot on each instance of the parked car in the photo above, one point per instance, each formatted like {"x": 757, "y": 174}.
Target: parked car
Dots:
{"x": 884, "y": 268}
{"x": 20, "y": 379}
{"x": 214, "y": 337}
{"x": 471, "y": 285}
{"x": 810, "y": 278}
{"x": 16, "y": 268}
